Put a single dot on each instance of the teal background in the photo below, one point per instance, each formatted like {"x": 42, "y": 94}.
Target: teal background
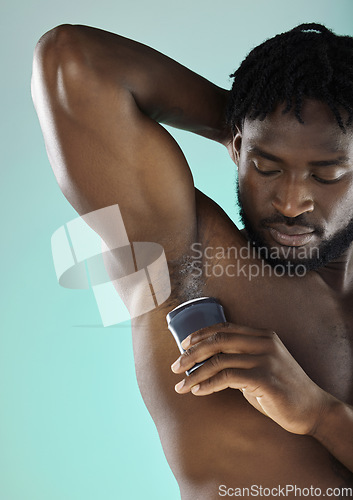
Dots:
{"x": 73, "y": 425}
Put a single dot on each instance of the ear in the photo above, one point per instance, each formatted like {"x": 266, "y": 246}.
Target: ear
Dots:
{"x": 236, "y": 146}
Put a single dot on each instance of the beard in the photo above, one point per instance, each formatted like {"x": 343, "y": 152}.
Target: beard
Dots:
{"x": 328, "y": 250}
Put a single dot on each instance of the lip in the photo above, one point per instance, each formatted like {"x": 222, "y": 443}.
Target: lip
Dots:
{"x": 291, "y": 236}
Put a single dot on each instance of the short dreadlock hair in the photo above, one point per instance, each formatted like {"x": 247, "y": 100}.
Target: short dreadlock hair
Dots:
{"x": 309, "y": 61}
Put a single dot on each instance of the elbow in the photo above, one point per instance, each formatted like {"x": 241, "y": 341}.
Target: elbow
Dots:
{"x": 57, "y": 54}
{"x": 60, "y": 35}
{"x": 55, "y": 44}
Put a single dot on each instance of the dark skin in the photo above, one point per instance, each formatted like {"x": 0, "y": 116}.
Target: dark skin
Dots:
{"x": 274, "y": 402}
{"x": 313, "y": 171}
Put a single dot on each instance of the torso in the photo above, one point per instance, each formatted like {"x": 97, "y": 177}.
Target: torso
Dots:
{"x": 221, "y": 439}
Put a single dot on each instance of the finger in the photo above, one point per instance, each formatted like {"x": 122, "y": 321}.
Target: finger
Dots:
{"x": 232, "y": 378}
{"x": 203, "y": 333}
{"x": 217, "y": 364}
{"x": 225, "y": 342}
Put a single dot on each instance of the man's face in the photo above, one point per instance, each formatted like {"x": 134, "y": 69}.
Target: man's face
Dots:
{"x": 296, "y": 185}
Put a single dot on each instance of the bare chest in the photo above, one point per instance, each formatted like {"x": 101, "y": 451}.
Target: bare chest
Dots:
{"x": 317, "y": 332}
{"x": 315, "y": 324}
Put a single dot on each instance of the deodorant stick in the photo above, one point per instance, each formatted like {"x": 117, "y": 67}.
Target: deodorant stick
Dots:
{"x": 191, "y": 316}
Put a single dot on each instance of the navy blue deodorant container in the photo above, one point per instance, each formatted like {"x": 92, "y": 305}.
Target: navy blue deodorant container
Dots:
{"x": 192, "y": 315}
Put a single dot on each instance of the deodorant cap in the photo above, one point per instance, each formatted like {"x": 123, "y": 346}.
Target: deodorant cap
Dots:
{"x": 190, "y": 303}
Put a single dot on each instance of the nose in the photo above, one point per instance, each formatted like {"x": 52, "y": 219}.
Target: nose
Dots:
{"x": 292, "y": 198}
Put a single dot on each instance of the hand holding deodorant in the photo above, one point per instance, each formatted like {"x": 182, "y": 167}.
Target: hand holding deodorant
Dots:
{"x": 192, "y": 316}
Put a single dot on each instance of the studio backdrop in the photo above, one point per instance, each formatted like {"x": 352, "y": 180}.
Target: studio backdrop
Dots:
{"x": 73, "y": 425}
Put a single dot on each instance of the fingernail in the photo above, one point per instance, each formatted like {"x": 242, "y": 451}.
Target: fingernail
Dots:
{"x": 195, "y": 388}
{"x": 179, "y": 385}
{"x": 185, "y": 343}
{"x": 176, "y": 365}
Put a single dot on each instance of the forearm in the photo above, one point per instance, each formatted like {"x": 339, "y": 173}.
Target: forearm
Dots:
{"x": 335, "y": 432}
{"x": 163, "y": 89}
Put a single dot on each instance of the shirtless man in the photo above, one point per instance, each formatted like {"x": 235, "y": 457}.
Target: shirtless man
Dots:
{"x": 272, "y": 407}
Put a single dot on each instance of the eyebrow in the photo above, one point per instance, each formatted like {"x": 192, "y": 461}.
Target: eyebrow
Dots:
{"x": 321, "y": 163}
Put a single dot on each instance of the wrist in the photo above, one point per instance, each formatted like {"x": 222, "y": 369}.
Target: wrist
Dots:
{"x": 219, "y": 130}
{"x": 331, "y": 410}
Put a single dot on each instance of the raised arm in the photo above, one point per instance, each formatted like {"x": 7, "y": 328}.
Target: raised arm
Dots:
{"x": 99, "y": 98}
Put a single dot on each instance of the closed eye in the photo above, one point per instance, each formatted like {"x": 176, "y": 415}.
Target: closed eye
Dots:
{"x": 265, "y": 172}
{"x": 327, "y": 181}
